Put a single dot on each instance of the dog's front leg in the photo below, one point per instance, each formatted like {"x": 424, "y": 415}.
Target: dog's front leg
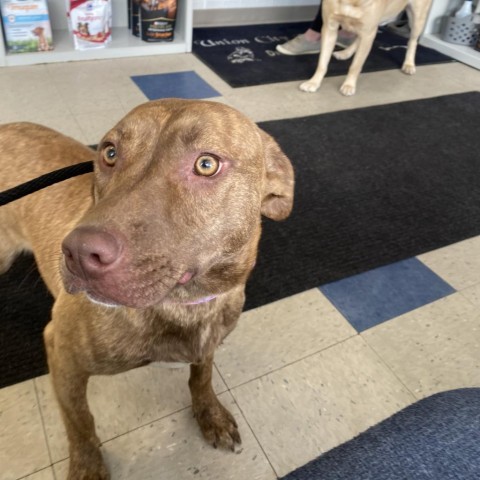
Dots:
{"x": 347, "y": 52}
{"x": 328, "y": 39}
{"x": 364, "y": 46}
{"x": 417, "y": 13}
{"x": 70, "y": 386}
{"x": 217, "y": 424}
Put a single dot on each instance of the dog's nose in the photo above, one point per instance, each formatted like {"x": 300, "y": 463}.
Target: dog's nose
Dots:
{"x": 90, "y": 253}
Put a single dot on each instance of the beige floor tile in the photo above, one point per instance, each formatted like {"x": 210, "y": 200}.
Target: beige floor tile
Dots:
{"x": 23, "y": 449}
{"x": 46, "y": 474}
{"x": 130, "y": 96}
{"x": 121, "y": 403}
{"x": 433, "y": 348}
{"x": 85, "y": 75}
{"x": 173, "y": 449}
{"x": 458, "y": 264}
{"x": 23, "y": 71}
{"x": 270, "y": 337}
{"x": 309, "y": 407}
{"x": 67, "y": 125}
{"x": 88, "y": 87}
{"x": 31, "y": 104}
{"x": 96, "y": 99}
{"x": 472, "y": 294}
{"x": 156, "y": 64}
{"x": 95, "y": 125}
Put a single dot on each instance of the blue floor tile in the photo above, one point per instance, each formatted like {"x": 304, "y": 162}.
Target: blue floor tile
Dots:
{"x": 373, "y": 297}
{"x": 178, "y": 85}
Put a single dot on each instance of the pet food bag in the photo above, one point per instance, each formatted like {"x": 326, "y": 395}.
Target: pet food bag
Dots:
{"x": 90, "y": 23}
{"x": 26, "y": 26}
{"x": 157, "y": 20}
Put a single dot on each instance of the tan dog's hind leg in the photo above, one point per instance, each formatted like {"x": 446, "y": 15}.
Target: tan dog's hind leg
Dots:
{"x": 328, "y": 39}
{"x": 217, "y": 424}
{"x": 347, "y": 52}
{"x": 365, "y": 42}
{"x": 417, "y": 12}
{"x": 70, "y": 386}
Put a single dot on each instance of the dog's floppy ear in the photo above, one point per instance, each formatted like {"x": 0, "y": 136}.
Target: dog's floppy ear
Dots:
{"x": 277, "y": 201}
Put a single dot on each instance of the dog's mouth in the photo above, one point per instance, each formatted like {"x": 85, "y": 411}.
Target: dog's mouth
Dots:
{"x": 125, "y": 292}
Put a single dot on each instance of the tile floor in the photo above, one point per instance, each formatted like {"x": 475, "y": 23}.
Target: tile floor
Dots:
{"x": 301, "y": 375}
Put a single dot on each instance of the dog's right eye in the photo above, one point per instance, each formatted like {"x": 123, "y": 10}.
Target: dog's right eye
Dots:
{"x": 109, "y": 155}
{"x": 207, "y": 166}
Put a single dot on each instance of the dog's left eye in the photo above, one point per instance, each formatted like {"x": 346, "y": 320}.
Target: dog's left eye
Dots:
{"x": 110, "y": 155}
{"x": 207, "y": 166}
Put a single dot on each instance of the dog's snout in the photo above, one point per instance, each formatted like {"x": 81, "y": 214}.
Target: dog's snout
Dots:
{"x": 90, "y": 253}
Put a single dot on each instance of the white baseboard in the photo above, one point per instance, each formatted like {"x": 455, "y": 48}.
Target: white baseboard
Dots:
{"x": 250, "y": 16}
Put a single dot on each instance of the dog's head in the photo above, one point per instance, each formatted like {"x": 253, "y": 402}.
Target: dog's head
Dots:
{"x": 179, "y": 190}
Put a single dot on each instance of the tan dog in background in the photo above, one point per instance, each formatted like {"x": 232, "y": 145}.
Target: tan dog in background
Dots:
{"x": 157, "y": 247}
{"x": 363, "y": 17}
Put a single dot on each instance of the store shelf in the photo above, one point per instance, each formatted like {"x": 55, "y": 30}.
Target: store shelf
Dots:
{"x": 464, "y": 54}
{"x": 431, "y": 36}
{"x": 123, "y": 44}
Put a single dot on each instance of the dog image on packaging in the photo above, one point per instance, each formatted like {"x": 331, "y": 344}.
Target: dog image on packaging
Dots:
{"x": 90, "y": 23}
{"x": 26, "y": 25}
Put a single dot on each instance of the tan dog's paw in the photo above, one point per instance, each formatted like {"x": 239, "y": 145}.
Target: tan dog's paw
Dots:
{"x": 309, "y": 86}
{"x": 218, "y": 426}
{"x": 343, "y": 54}
{"x": 408, "y": 68}
{"x": 348, "y": 90}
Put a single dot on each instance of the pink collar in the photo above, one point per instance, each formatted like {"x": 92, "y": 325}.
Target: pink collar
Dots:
{"x": 201, "y": 300}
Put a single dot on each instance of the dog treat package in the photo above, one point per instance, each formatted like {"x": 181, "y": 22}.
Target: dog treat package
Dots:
{"x": 157, "y": 20}
{"x": 26, "y": 26}
{"x": 134, "y": 16}
{"x": 90, "y": 23}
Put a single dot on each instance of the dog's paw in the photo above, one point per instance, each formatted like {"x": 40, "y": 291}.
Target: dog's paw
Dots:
{"x": 348, "y": 90}
{"x": 88, "y": 473}
{"x": 218, "y": 426}
{"x": 309, "y": 86}
{"x": 87, "y": 465}
{"x": 342, "y": 54}
{"x": 408, "y": 68}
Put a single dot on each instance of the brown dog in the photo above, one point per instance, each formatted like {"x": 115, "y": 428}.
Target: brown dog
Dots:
{"x": 157, "y": 246}
{"x": 363, "y": 17}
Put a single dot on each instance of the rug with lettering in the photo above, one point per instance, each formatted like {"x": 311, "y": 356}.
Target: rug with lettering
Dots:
{"x": 245, "y": 55}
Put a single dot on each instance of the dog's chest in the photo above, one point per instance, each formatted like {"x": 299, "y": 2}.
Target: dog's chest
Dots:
{"x": 166, "y": 337}
{"x": 176, "y": 347}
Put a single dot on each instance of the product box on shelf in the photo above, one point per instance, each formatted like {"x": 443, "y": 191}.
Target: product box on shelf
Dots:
{"x": 157, "y": 20}
{"x": 26, "y": 26}
{"x": 90, "y": 22}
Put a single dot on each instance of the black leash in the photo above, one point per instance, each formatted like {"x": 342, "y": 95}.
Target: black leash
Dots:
{"x": 45, "y": 181}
